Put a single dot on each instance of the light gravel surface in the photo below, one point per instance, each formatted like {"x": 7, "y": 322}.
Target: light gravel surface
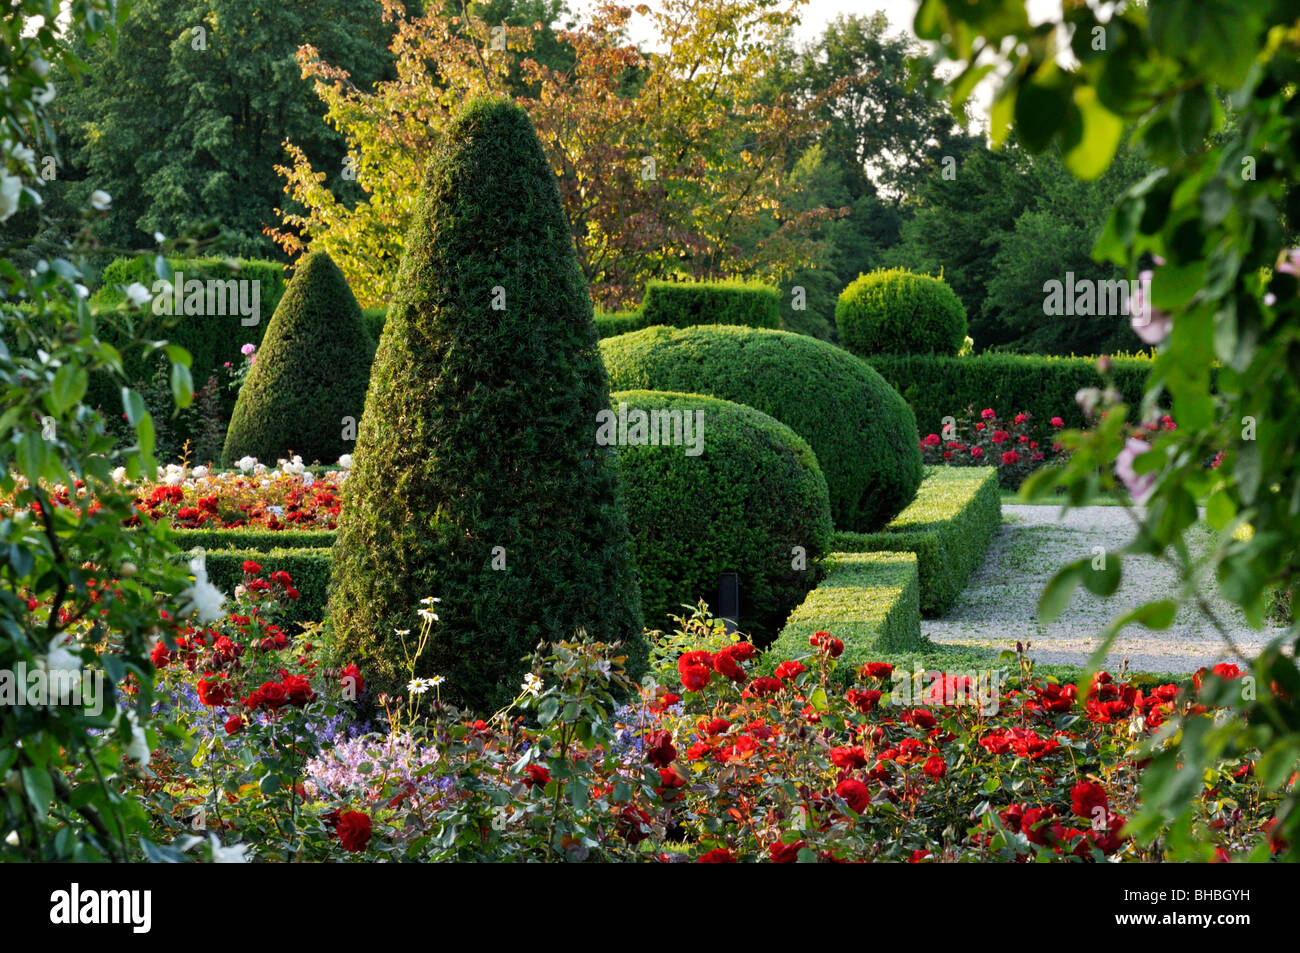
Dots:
{"x": 999, "y": 604}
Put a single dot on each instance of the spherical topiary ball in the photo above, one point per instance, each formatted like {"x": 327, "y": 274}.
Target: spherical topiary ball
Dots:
{"x": 711, "y": 487}
{"x": 895, "y": 311}
{"x": 863, "y": 432}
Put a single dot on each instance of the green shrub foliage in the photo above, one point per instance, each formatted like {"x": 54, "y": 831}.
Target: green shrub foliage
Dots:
{"x": 938, "y": 387}
{"x": 862, "y": 431}
{"x": 680, "y": 304}
{"x": 740, "y": 497}
{"x": 212, "y": 340}
{"x": 310, "y": 372}
{"x": 477, "y": 445}
{"x": 895, "y": 311}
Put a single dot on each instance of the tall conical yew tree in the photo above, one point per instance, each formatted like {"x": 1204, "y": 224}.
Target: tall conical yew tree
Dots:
{"x": 477, "y": 477}
{"x": 309, "y": 374}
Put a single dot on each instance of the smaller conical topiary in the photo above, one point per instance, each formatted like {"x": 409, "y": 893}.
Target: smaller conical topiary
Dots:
{"x": 307, "y": 386}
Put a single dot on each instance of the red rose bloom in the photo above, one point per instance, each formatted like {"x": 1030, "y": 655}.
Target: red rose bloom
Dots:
{"x": 851, "y": 757}
{"x": 633, "y": 824}
{"x": 297, "y": 689}
{"x": 780, "y": 853}
{"x": 1086, "y": 797}
{"x": 719, "y": 855}
{"x": 538, "y": 775}
{"x": 935, "y": 767}
{"x": 1058, "y": 423}
{"x": 252, "y": 568}
{"x": 725, "y": 663}
{"x": 878, "y": 669}
{"x": 764, "y": 685}
{"x": 669, "y": 784}
{"x": 160, "y": 656}
{"x": 234, "y": 725}
{"x": 1010, "y": 457}
{"x": 857, "y": 794}
{"x": 214, "y": 690}
{"x": 864, "y": 700}
{"x": 351, "y": 680}
{"x": 788, "y": 670}
{"x": 659, "y": 749}
{"x": 354, "y": 830}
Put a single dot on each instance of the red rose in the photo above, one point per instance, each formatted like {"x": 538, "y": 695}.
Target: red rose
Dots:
{"x": 270, "y": 696}
{"x": 669, "y": 783}
{"x": 1086, "y": 797}
{"x": 850, "y": 757}
{"x": 659, "y": 749}
{"x": 538, "y": 775}
{"x": 764, "y": 685}
{"x": 857, "y": 794}
{"x": 786, "y": 853}
{"x": 932, "y": 440}
{"x": 935, "y": 767}
{"x": 298, "y": 690}
{"x": 214, "y": 690}
{"x": 987, "y": 413}
{"x": 878, "y": 669}
{"x": 788, "y": 670}
{"x": 633, "y": 824}
{"x": 725, "y": 663}
{"x": 292, "y": 593}
{"x": 251, "y": 568}
{"x": 234, "y": 725}
{"x": 825, "y": 643}
{"x": 719, "y": 855}
{"x": 1010, "y": 457}
{"x": 1058, "y": 423}
{"x": 281, "y": 577}
{"x": 352, "y": 682}
{"x": 1036, "y": 827}
{"x": 864, "y": 700}
{"x": 160, "y": 656}
{"x": 695, "y": 669}
{"x": 354, "y": 830}
{"x": 920, "y": 717}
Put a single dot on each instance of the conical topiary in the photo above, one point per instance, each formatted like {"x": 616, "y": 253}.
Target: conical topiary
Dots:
{"x": 307, "y": 384}
{"x": 477, "y": 477}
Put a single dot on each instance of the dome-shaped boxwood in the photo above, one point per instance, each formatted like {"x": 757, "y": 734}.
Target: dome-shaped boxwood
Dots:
{"x": 895, "y": 311}
{"x": 861, "y": 429}
{"x": 725, "y": 488}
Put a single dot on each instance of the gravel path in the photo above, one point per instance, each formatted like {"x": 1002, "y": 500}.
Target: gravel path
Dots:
{"x": 999, "y": 604}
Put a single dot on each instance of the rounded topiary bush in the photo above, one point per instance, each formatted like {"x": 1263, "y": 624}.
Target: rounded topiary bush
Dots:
{"x": 738, "y": 494}
{"x": 862, "y": 431}
{"x": 895, "y": 311}
{"x": 309, "y": 374}
{"x": 477, "y": 478}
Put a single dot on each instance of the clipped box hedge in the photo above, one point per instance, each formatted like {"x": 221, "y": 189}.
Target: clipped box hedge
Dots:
{"x": 869, "y": 601}
{"x": 937, "y": 387}
{"x": 308, "y": 568}
{"x": 253, "y": 539}
{"x": 613, "y": 323}
{"x": 682, "y": 304}
{"x": 948, "y": 526}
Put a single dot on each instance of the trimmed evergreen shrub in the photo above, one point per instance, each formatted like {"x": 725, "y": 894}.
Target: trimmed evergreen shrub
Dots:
{"x": 310, "y": 372}
{"x": 740, "y": 499}
{"x": 863, "y": 433}
{"x": 308, "y": 568}
{"x": 869, "y": 601}
{"x": 680, "y": 304}
{"x": 373, "y": 318}
{"x": 477, "y": 445}
{"x": 611, "y": 323}
{"x": 895, "y": 311}
{"x": 938, "y": 387}
{"x": 949, "y": 526}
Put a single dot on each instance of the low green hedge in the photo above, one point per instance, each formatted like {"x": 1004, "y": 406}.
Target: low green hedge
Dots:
{"x": 682, "y": 304}
{"x": 260, "y": 540}
{"x": 308, "y": 568}
{"x": 373, "y": 319}
{"x": 936, "y": 387}
{"x": 613, "y": 323}
{"x": 869, "y": 601}
{"x": 948, "y": 526}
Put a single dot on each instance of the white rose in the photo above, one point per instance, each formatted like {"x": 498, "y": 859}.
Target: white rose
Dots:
{"x": 119, "y": 474}
{"x": 11, "y": 188}
{"x": 138, "y": 294}
{"x": 345, "y": 461}
{"x": 43, "y": 96}
{"x": 100, "y": 200}
{"x": 246, "y": 463}
{"x": 200, "y": 473}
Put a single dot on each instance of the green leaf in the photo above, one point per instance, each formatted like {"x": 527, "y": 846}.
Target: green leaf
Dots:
{"x": 1056, "y": 595}
{"x": 1103, "y": 581}
{"x": 1099, "y": 136}
{"x": 39, "y": 788}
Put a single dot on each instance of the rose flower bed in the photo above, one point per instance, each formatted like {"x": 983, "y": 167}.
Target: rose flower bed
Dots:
{"x": 287, "y": 498}
{"x": 268, "y": 748}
